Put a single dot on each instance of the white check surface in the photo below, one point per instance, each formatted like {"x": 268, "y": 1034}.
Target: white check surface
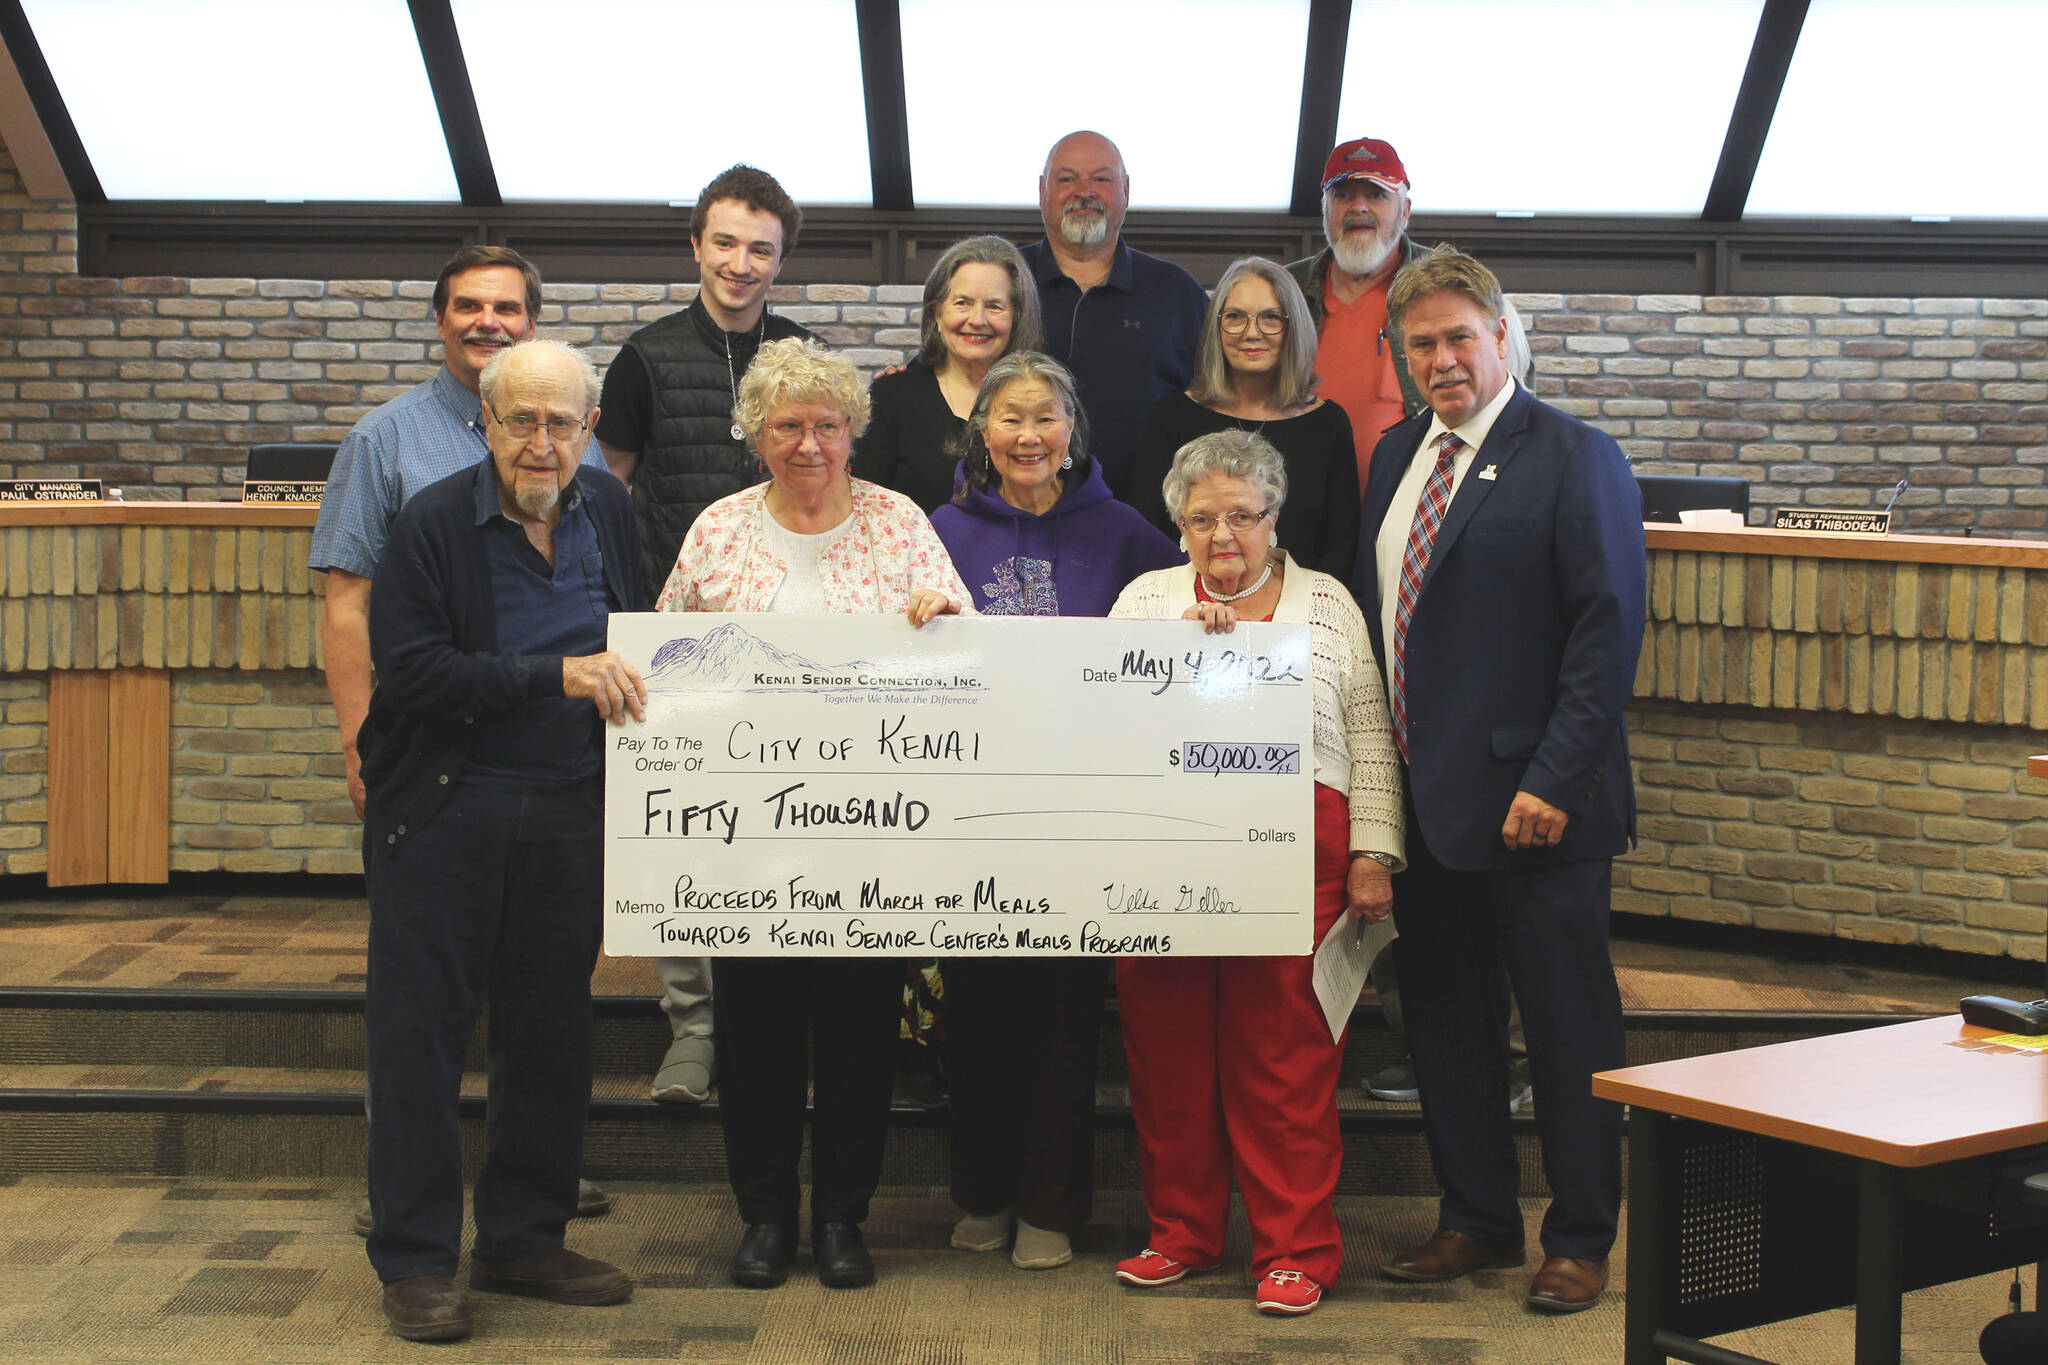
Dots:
{"x": 987, "y": 786}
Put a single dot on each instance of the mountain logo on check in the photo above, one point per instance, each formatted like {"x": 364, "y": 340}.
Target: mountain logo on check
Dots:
{"x": 732, "y": 658}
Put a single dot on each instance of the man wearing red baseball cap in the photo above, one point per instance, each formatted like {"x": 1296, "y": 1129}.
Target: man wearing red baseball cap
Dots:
{"x": 1365, "y": 218}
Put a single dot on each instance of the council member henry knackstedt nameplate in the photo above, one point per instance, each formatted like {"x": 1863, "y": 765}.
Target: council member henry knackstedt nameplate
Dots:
{"x": 987, "y": 786}
{"x": 283, "y": 490}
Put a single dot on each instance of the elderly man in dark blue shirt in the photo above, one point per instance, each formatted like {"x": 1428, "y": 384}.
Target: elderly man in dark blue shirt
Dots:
{"x": 1124, "y": 322}
{"x": 482, "y": 844}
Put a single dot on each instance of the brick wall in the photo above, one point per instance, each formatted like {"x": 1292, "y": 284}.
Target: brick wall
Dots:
{"x": 1858, "y": 827}
{"x": 24, "y": 771}
{"x": 256, "y": 776}
{"x": 161, "y": 385}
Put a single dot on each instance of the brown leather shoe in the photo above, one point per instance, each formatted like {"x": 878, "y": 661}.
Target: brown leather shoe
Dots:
{"x": 559, "y": 1276}
{"x": 1446, "y": 1256}
{"x": 1566, "y": 1284}
{"x": 428, "y": 1308}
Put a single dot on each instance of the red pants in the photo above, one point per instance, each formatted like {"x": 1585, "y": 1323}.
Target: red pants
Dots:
{"x": 1233, "y": 1072}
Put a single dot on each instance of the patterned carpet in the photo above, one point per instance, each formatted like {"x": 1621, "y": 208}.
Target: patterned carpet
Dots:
{"x": 152, "y": 1271}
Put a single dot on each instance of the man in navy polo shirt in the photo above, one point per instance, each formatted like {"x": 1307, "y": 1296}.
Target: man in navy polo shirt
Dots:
{"x": 483, "y": 843}
{"x": 1124, "y": 322}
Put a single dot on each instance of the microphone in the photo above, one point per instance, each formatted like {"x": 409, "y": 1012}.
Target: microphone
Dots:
{"x": 1895, "y": 496}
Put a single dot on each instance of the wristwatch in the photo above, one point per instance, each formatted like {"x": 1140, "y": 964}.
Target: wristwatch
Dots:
{"x": 1386, "y": 860}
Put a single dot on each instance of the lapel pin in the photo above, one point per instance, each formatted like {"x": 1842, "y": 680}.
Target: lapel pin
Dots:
{"x": 1490, "y": 473}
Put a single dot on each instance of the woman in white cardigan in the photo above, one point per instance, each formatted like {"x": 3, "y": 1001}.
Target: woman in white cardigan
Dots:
{"x": 1233, "y": 1071}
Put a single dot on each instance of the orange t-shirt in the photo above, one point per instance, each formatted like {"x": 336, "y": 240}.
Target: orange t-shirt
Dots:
{"x": 1357, "y": 366}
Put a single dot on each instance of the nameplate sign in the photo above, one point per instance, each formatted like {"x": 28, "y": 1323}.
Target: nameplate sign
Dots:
{"x": 283, "y": 490}
{"x": 1836, "y": 523}
{"x": 987, "y": 786}
{"x": 50, "y": 490}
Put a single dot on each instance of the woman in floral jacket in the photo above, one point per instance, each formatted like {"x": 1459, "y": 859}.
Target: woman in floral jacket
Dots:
{"x": 810, "y": 539}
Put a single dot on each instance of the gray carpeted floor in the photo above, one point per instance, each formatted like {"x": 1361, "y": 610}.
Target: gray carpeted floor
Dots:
{"x": 150, "y": 1271}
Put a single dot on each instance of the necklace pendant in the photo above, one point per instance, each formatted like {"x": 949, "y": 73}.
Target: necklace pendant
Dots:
{"x": 737, "y": 433}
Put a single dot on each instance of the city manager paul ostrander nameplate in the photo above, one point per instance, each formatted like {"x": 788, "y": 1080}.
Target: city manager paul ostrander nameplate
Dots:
{"x": 986, "y": 786}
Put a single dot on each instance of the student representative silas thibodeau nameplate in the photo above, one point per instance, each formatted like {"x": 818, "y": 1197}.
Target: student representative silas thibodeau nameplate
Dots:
{"x": 986, "y": 786}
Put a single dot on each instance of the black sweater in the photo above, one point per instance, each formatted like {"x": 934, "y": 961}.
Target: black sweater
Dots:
{"x": 434, "y": 641}
{"x": 908, "y": 445}
{"x": 1318, "y": 523}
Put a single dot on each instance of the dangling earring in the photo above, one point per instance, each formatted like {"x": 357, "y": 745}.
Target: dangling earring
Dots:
{"x": 1067, "y": 463}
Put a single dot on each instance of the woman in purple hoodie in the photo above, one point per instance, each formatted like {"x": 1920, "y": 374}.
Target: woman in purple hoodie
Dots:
{"x": 1033, "y": 532}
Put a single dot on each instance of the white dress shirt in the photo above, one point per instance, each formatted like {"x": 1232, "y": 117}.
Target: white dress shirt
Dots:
{"x": 1392, "y": 544}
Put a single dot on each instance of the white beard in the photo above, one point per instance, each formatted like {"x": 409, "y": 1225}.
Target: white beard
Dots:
{"x": 536, "y": 500}
{"x": 1084, "y": 233}
{"x": 1363, "y": 258}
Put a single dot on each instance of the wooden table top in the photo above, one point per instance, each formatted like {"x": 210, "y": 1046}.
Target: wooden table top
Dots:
{"x": 146, "y": 512}
{"x": 1914, "y": 1094}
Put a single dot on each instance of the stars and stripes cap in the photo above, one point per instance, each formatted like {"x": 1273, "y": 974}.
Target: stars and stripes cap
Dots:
{"x": 1366, "y": 157}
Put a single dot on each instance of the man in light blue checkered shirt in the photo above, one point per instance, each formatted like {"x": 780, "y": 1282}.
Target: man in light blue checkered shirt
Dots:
{"x": 485, "y": 300}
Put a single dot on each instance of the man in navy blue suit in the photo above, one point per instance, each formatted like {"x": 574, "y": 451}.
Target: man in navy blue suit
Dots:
{"x": 1502, "y": 578}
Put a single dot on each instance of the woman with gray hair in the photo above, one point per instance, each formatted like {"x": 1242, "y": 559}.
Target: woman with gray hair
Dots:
{"x": 1233, "y": 1070}
{"x": 980, "y": 304}
{"x": 1255, "y": 371}
{"x": 1034, "y": 532}
{"x": 810, "y": 539}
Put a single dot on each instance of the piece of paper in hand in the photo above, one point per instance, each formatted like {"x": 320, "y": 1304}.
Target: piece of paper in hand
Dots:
{"x": 1342, "y": 960}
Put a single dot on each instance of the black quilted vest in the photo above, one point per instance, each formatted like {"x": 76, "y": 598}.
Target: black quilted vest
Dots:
{"x": 691, "y": 459}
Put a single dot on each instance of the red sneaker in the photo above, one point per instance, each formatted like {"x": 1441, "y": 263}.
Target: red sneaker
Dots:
{"x": 1288, "y": 1291}
{"x": 1149, "y": 1269}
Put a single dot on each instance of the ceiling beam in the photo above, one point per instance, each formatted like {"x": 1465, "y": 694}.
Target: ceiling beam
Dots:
{"x": 455, "y": 98}
{"x": 40, "y": 88}
{"x": 844, "y": 245}
{"x": 1322, "y": 87}
{"x": 881, "y": 73}
{"x": 21, "y": 129}
{"x": 1756, "y": 103}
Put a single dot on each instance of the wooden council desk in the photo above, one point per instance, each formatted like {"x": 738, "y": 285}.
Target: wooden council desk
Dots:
{"x": 1773, "y": 1182}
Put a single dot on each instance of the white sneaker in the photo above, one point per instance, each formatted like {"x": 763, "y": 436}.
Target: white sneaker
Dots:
{"x": 1040, "y": 1248}
{"x": 984, "y": 1232}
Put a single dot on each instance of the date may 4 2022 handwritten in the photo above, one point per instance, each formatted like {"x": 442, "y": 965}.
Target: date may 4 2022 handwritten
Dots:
{"x": 827, "y": 785}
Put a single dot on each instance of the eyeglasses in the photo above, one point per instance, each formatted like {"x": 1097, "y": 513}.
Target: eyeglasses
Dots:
{"x": 1272, "y": 322}
{"x": 1202, "y": 524}
{"x": 793, "y": 432}
{"x": 523, "y": 425}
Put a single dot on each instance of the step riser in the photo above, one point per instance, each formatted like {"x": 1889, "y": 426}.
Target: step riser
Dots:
{"x": 625, "y": 1045}
{"x": 255, "y": 1147}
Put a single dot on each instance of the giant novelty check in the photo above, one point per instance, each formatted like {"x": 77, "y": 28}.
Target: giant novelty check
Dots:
{"x": 986, "y": 786}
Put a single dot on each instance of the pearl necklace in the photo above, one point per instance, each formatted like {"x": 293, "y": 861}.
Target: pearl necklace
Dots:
{"x": 1264, "y": 574}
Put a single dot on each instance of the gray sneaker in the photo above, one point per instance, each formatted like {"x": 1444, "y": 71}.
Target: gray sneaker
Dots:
{"x": 1395, "y": 1083}
{"x": 686, "y": 1071}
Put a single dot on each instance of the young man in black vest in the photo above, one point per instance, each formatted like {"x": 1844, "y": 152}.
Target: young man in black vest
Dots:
{"x": 668, "y": 432}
